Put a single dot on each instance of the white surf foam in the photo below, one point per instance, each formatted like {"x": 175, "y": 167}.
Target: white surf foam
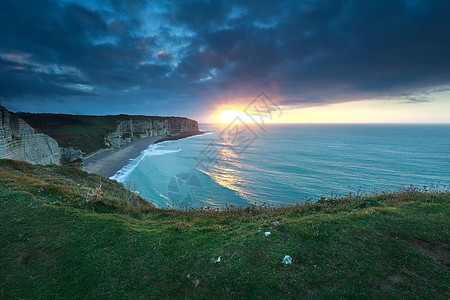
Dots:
{"x": 197, "y": 135}
{"x": 122, "y": 174}
{"x": 152, "y": 150}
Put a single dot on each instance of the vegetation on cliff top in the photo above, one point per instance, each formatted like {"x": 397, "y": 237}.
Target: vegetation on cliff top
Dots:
{"x": 65, "y": 233}
{"x": 86, "y": 133}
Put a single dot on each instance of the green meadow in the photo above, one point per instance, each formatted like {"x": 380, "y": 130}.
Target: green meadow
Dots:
{"x": 68, "y": 234}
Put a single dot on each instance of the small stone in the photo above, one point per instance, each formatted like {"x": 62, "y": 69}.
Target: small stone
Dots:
{"x": 287, "y": 260}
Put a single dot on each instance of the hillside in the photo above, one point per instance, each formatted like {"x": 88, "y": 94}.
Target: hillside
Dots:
{"x": 88, "y": 133}
{"x": 65, "y": 233}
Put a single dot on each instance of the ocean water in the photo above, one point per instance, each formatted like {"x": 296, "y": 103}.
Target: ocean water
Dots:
{"x": 287, "y": 164}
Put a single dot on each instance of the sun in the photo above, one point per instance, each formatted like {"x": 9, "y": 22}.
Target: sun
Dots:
{"x": 234, "y": 116}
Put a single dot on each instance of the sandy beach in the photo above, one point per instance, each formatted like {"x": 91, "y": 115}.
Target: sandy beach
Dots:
{"x": 109, "y": 162}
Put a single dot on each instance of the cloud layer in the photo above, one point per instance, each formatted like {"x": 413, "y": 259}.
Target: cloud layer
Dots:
{"x": 118, "y": 56}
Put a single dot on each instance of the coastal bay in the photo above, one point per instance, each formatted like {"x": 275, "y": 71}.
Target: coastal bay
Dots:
{"x": 108, "y": 162}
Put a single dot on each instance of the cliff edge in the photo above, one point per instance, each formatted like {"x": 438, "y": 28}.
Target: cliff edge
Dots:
{"x": 19, "y": 141}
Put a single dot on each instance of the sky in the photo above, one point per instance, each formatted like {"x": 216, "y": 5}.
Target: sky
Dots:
{"x": 318, "y": 61}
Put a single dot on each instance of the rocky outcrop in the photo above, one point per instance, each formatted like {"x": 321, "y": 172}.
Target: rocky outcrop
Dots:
{"x": 19, "y": 141}
{"x": 71, "y": 157}
{"x": 133, "y": 129}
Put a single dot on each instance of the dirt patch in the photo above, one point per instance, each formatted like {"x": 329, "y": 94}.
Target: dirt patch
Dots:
{"x": 396, "y": 278}
{"x": 440, "y": 254}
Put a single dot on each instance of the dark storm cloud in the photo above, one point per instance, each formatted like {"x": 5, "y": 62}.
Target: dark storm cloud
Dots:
{"x": 40, "y": 82}
{"x": 163, "y": 54}
{"x": 200, "y": 15}
{"x": 329, "y": 50}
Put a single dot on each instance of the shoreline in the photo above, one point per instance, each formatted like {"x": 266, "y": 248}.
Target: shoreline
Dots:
{"x": 109, "y": 161}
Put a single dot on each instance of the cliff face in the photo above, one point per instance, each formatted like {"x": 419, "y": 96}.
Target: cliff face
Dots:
{"x": 71, "y": 157}
{"x": 19, "y": 141}
{"x": 90, "y": 134}
{"x": 129, "y": 130}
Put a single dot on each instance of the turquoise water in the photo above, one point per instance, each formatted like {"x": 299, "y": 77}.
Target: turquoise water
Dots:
{"x": 286, "y": 164}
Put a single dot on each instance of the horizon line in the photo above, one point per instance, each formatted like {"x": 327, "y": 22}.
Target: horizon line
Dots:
{"x": 335, "y": 123}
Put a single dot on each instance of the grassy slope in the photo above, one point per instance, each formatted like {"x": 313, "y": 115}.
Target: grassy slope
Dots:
{"x": 54, "y": 243}
{"x": 86, "y": 133}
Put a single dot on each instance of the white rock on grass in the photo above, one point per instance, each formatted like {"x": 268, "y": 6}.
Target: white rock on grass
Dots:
{"x": 287, "y": 260}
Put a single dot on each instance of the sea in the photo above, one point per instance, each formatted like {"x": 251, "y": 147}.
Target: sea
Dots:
{"x": 238, "y": 165}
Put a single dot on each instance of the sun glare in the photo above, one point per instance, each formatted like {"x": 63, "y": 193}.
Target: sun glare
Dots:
{"x": 233, "y": 116}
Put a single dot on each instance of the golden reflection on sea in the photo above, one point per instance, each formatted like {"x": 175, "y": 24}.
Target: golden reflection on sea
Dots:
{"x": 225, "y": 171}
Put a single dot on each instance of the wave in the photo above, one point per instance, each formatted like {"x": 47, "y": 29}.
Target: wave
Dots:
{"x": 152, "y": 150}
{"x": 123, "y": 173}
{"x": 197, "y": 135}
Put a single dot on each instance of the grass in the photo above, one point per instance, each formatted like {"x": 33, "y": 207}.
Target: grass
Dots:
{"x": 65, "y": 233}
{"x": 86, "y": 133}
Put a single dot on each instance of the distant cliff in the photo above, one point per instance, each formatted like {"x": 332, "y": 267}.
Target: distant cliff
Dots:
{"x": 85, "y": 135}
{"x": 132, "y": 129}
{"x": 19, "y": 141}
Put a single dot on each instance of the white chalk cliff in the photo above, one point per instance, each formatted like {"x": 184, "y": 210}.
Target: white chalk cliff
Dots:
{"x": 130, "y": 130}
{"x": 19, "y": 141}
